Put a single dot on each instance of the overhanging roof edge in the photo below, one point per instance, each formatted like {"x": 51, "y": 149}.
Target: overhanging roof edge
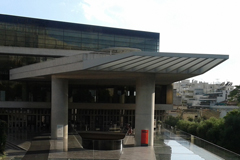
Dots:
{"x": 192, "y": 55}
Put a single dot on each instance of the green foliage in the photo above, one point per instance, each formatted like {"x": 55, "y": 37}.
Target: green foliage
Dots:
{"x": 210, "y": 129}
{"x": 172, "y": 121}
{"x": 159, "y": 122}
{"x": 187, "y": 126}
{"x": 235, "y": 94}
{"x": 3, "y": 135}
{"x": 183, "y": 125}
{"x": 224, "y": 132}
{"x": 192, "y": 128}
{"x": 230, "y": 136}
{"x": 190, "y": 119}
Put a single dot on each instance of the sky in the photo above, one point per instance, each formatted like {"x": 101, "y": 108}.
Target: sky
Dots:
{"x": 185, "y": 26}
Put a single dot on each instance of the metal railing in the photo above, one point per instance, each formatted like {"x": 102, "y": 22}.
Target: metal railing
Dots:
{"x": 211, "y": 147}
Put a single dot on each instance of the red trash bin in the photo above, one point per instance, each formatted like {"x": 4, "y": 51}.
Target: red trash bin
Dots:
{"x": 144, "y": 138}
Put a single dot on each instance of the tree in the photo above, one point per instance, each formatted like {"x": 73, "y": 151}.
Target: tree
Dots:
{"x": 172, "y": 121}
{"x": 230, "y": 136}
{"x": 235, "y": 94}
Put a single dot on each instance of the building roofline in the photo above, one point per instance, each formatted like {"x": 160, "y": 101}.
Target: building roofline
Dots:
{"x": 76, "y": 26}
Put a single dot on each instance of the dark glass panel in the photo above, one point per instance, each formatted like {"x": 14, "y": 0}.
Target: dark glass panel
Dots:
{"x": 20, "y": 28}
{"x": 89, "y": 46}
{"x": 2, "y": 36}
{"x": 104, "y": 46}
{"x": 137, "y": 45}
{"x": 89, "y": 35}
{"x": 150, "y": 48}
{"x": 58, "y": 38}
{"x": 72, "y": 39}
{"x": 160, "y": 94}
{"x": 122, "y": 39}
{"x": 72, "y": 34}
{"x": 4, "y": 61}
{"x": 2, "y": 25}
{"x": 53, "y": 31}
{"x": 87, "y": 40}
{"x": 106, "y": 37}
{"x": 151, "y": 42}
{"x": 121, "y": 44}
{"x": 2, "y": 42}
{"x": 104, "y": 42}
{"x": 2, "y": 31}
{"x": 137, "y": 40}
{"x": 38, "y": 91}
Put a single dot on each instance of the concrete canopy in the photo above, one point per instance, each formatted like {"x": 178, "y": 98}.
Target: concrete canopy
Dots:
{"x": 168, "y": 67}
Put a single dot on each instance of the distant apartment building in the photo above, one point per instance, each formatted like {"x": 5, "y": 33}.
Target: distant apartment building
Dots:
{"x": 200, "y": 94}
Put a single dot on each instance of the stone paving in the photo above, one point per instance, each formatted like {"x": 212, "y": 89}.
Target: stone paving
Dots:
{"x": 167, "y": 146}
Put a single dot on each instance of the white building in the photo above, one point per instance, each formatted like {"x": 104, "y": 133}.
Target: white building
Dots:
{"x": 202, "y": 94}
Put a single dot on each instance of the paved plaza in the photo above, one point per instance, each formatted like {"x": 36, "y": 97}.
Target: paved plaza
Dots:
{"x": 167, "y": 146}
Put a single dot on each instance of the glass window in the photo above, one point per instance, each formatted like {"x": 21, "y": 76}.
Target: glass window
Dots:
{"x": 137, "y": 46}
{"x": 89, "y": 35}
{"x": 2, "y": 25}
{"x": 151, "y": 41}
{"x": 72, "y": 34}
{"x": 20, "y": 28}
{"x": 2, "y": 31}
{"x": 53, "y": 31}
{"x": 2, "y": 42}
{"x": 106, "y": 37}
{"x": 2, "y": 37}
{"x": 73, "y": 39}
{"x": 41, "y": 31}
{"x": 60, "y": 38}
{"x": 87, "y": 40}
{"x": 30, "y": 29}
{"x": 102, "y": 46}
{"x": 122, "y": 38}
{"x": 121, "y": 44}
{"x": 10, "y": 33}
{"x": 19, "y": 43}
{"x": 106, "y": 42}
{"x": 137, "y": 40}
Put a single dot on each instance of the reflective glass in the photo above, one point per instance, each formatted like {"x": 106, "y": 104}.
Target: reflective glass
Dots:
{"x": 106, "y": 37}
{"x": 89, "y": 35}
{"x": 52, "y": 31}
{"x": 36, "y": 36}
{"x": 122, "y": 38}
{"x": 72, "y": 34}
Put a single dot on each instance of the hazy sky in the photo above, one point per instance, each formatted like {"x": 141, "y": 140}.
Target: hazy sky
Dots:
{"x": 185, "y": 26}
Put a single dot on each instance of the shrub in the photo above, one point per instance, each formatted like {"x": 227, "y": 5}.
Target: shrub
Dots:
{"x": 183, "y": 125}
{"x": 172, "y": 121}
{"x": 210, "y": 129}
{"x": 230, "y": 135}
{"x": 3, "y": 135}
{"x": 190, "y": 119}
{"x": 192, "y": 128}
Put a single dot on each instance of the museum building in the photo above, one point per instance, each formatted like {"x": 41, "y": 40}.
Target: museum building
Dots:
{"x": 95, "y": 78}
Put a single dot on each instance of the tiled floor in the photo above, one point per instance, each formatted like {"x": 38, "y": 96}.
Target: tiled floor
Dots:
{"x": 166, "y": 146}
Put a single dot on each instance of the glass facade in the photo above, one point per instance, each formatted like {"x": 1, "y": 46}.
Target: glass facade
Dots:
{"x": 36, "y": 33}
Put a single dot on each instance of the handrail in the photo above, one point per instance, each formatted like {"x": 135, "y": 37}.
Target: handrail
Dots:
{"x": 166, "y": 126}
